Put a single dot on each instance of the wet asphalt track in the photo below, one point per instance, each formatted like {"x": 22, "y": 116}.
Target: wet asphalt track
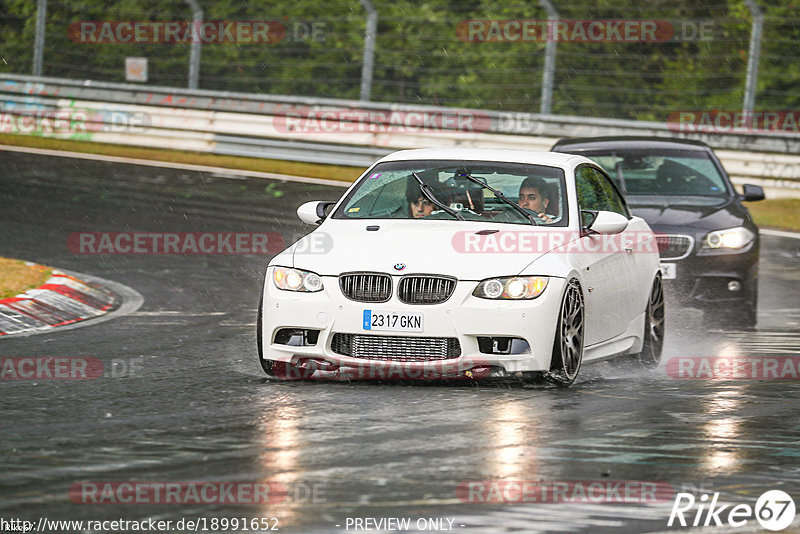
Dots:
{"x": 198, "y": 409}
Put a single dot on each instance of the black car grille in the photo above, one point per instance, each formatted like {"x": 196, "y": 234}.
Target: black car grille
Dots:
{"x": 674, "y": 247}
{"x": 425, "y": 289}
{"x": 366, "y": 287}
{"x": 396, "y": 348}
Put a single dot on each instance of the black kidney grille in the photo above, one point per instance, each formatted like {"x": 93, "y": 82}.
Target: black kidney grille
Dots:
{"x": 425, "y": 289}
{"x": 674, "y": 247}
{"x": 366, "y": 287}
{"x": 396, "y": 348}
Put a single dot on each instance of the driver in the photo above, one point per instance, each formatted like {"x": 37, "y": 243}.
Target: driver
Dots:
{"x": 418, "y": 205}
{"x": 457, "y": 198}
{"x": 533, "y": 196}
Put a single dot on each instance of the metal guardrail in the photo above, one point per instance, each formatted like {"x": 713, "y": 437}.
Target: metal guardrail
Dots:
{"x": 250, "y": 125}
{"x": 514, "y": 123}
{"x": 297, "y": 151}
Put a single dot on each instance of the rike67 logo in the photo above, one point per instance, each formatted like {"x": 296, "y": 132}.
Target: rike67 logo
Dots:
{"x": 774, "y": 510}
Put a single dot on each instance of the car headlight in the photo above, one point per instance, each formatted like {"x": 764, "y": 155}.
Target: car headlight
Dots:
{"x": 729, "y": 238}
{"x": 511, "y": 288}
{"x": 296, "y": 280}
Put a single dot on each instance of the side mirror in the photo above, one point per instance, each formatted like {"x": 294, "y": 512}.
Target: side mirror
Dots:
{"x": 314, "y": 212}
{"x": 752, "y": 192}
{"x": 608, "y": 223}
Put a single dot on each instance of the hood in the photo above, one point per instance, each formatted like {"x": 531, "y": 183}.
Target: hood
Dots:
{"x": 451, "y": 248}
{"x": 666, "y": 213}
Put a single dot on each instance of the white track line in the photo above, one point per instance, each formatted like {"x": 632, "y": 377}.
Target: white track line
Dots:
{"x": 221, "y": 171}
{"x": 779, "y": 233}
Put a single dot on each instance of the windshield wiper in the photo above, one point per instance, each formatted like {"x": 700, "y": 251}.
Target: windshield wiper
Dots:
{"x": 501, "y": 197}
{"x": 425, "y": 188}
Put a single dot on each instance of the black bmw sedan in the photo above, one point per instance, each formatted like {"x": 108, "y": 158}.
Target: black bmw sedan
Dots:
{"x": 708, "y": 242}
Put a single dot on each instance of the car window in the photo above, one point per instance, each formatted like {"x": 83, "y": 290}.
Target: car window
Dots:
{"x": 661, "y": 172}
{"x": 615, "y": 200}
{"x": 392, "y": 191}
{"x": 377, "y": 195}
{"x": 595, "y": 192}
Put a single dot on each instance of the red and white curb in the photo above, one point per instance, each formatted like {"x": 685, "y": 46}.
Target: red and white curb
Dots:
{"x": 62, "y": 300}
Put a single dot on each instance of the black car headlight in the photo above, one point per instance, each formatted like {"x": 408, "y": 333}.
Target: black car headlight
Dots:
{"x": 290, "y": 279}
{"x": 511, "y": 288}
{"x": 732, "y": 238}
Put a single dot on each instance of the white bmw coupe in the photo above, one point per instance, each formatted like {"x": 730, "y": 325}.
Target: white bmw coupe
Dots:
{"x": 465, "y": 263}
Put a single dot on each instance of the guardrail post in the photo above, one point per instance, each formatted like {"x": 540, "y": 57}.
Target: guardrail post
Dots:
{"x": 753, "y": 56}
{"x": 194, "y": 53}
{"x": 38, "y": 42}
{"x": 548, "y": 74}
{"x": 369, "y": 50}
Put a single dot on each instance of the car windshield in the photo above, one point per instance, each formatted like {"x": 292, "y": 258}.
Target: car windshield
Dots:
{"x": 662, "y": 172}
{"x": 459, "y": 190}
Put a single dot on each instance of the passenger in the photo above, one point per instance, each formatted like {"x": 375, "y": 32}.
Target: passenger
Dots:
{"x": 418, "y": 205}
{"x": 533, "y": 196}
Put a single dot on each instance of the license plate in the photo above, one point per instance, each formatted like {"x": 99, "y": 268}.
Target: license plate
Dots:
{"x": 668, "y": 271}
{"x": 392, "y": 321}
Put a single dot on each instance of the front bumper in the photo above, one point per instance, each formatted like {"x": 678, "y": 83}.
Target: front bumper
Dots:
{"x": 462, "y": 316}
{"x": 702, "y": 277}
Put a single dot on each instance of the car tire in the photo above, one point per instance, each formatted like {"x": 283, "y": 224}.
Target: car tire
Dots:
{"x": 266, "y": 365}
{"x": 654, "y": 326}
{"x": 568, "y": 342}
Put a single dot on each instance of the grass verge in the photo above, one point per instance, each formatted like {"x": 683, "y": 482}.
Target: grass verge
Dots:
{"x": 17, "y": 277}
{"x": 777, "y": 213}
{"x": 292, "y": 168}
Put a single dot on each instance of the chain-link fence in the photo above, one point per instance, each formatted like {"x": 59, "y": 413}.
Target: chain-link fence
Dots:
{"x": 621, "y": 58}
